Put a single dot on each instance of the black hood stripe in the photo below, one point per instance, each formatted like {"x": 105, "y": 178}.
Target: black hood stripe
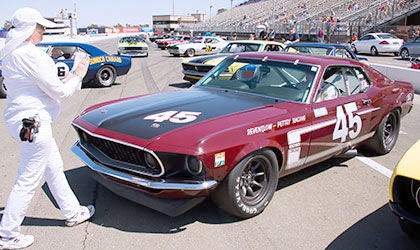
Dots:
{"x": 127, "y": 117}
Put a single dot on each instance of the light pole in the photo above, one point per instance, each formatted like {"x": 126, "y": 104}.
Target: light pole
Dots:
{"x": 173, "y": 7}
{"x": 211, "y": 6}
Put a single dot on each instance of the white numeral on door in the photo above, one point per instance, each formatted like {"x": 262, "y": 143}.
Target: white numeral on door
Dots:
{"x": 341, "y": 129}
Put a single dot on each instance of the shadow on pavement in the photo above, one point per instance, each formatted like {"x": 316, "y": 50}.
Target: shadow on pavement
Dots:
{"x": 378, "y": 230}
{"x": 119, "y": 213}
{"x": 183, "y": 85}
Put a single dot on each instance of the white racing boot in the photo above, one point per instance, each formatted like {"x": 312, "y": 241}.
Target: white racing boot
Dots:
{"x": 84, "y": 215}
{"x": 18, "y": 242}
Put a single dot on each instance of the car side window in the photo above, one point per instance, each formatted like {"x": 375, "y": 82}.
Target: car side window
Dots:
{"x": 62, "y": 52}
{"x": 364, "y": 38}
{"x": 332, "y": 85}
{"x": 353, "y": 81}
{"x": 272, "y": 47}
{"x": 208, "y": 40}
{"x": 343, "y": 53}
{"x": 365, "y": 82}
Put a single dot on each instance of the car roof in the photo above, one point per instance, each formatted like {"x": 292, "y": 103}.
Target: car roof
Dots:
{"x": 321, "y": 60}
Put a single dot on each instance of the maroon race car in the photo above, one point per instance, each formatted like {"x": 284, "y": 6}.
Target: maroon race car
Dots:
{"x": 178, "y": 39}
{"x": 252, "y": 119}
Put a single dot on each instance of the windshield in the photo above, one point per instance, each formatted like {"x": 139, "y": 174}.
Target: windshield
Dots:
{"x": 387, "y": 36}
{"x": 283, "y": 80}
{"x": 131, "y": 40}
{"x": 312, "y": 50}
{"x": 240, "y": 47}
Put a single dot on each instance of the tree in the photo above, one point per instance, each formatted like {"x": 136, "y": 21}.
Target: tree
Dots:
{"x": 7, "y": 25}
{"x": 118, "y": 25}
{"x": 221, "y": 10}
{"x": 93, "y": 26}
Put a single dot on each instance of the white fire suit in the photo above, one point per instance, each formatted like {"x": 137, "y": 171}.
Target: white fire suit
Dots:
{"x": 34, "y": 89}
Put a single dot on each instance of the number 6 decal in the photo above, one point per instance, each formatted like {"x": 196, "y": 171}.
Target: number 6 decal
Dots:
{"x": 341, "y": 129}
{"x": 174, "y": 116}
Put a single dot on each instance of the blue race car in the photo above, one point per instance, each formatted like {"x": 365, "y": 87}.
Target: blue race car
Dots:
{"x": 326, "y": 49}
{"x": 103, "y": 68}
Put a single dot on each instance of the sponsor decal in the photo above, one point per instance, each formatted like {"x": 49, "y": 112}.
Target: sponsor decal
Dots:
{"x": 271, "y": 126}
{"x": 319, "y": 112}
{"x": 102, "y": 59}
{"x": 209, "y": 48}
{"x": 219, "y": 159}
{"x": 259, "y": 129}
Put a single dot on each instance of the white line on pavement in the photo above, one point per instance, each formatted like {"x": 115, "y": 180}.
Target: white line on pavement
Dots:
{"x": 373, "y": 164}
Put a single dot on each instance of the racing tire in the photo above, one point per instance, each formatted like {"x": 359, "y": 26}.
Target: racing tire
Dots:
{"x": 411, "y": 229}
{"x": 190, "y": 52}
{"x": 249, "y": 187}
{"x": 386, "y": 135}
{"x": 105, "y": 76}
{"x": 374, "y": 51}
{"x": 405, "y": 55}
{"x": 3, "y": 90}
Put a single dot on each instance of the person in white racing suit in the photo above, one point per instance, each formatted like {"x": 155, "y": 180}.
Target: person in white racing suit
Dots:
{"x": 34, "y": 92}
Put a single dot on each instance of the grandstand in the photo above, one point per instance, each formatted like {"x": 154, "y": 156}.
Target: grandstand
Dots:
{"x": 306, "y": 15}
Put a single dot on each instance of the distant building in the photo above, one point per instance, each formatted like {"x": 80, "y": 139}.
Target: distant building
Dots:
{"x": 167, "y": 23}
{"x": 61, "y": 29}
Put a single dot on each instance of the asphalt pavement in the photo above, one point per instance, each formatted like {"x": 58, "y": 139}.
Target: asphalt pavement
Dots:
{"x": 337, "y": 204}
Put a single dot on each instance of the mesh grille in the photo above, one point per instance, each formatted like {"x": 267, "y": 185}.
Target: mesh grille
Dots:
{"x": 121, "y": 153}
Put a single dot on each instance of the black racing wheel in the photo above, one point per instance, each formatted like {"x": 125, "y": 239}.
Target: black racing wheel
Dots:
{"x": 249, "y": 187}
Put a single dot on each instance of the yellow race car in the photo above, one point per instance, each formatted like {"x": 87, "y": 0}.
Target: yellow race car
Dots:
{"x": 404, "y": 191}
{"x": 132, "y": 46}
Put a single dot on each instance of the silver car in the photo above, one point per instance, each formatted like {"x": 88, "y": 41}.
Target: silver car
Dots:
{"x": 411, "y": 49}
{"x": 375, "y": 43}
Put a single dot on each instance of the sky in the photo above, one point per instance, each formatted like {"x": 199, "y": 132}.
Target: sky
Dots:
{"x": 111, "y": 12}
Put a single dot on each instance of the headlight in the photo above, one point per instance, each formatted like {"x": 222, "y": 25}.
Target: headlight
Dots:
{"x": 151, "y": 161}
{"x": 193, "y": 165}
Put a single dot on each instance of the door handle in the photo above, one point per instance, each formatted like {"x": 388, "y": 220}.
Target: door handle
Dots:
{"x": 366, "y": 102}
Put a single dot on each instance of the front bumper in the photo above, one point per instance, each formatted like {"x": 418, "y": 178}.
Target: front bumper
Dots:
{"x": 153, "y": 184}
{"x": 399, "y": 211}
{"x": 176, "y": 51}
{"x": 133, "y": 53}
{"x": 145, "y": 191}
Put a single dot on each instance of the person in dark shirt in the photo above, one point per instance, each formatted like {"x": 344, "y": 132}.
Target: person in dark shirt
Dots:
{"x": 294, "y": 37}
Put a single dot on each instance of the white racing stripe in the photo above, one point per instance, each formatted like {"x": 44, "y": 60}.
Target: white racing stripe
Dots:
{"x": 373, "y": 164}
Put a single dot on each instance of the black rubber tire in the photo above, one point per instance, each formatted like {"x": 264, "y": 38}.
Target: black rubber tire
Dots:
{"x": 238, "y": 193}
{"x": 374, "y": 51}
{"x": 405, "y": 55}
{"x": 410, "y": 229}
{"x": 386, "y": 135}
{"x": 105, "y": 76}
{"x": 190, "y": 52}
{"x": 3, "y": 90}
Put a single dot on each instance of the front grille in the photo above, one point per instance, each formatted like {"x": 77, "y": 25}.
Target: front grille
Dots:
{"x": 134, "y": 48}
{"x": 121, "y": 154}
{"x": 406, "y": 192}
{"x": 199, "y": 68}
{"x": 188, "y": 67}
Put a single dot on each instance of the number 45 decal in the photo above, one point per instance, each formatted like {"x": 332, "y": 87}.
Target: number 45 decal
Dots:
{"x": 341, "y": 129}
{"x": 174, "y": 116}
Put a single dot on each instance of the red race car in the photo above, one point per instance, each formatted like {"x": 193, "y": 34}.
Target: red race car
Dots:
{"x": 162, "y": 44}
{"x": 252, "y": 119}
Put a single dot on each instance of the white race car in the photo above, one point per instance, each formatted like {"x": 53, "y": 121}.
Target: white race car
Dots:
{"x": 199, "y": 46}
